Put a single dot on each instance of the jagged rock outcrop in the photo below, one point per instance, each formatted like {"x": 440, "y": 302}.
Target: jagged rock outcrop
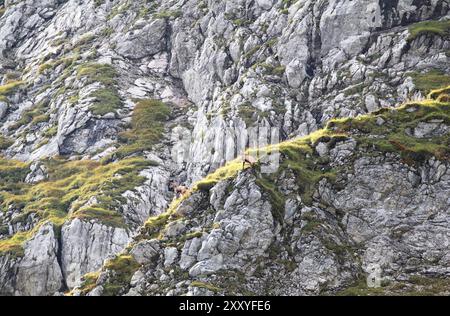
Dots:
{"x": 84, "y": 246}
{"x": 327, "y": 218}
{"x": 86, "y": 145}
{"x": 37, "y": 272}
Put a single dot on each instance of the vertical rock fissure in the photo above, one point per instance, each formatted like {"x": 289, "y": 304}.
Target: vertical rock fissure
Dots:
{"x": 64, "y": 286}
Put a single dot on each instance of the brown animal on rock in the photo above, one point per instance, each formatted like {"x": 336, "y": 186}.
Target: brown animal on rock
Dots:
{"x": 248, "y": 159}
{"x": 178, "y": 189}
{"x": 181, "y": 190}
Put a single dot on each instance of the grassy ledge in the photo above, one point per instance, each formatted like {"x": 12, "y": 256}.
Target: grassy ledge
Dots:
{"x": 438, "y": 28}
{"x": 429, "y": 81}
{"x": 299, "y": 155}
{"x": 10, "y": 88}
{"x": 64, "y": 195}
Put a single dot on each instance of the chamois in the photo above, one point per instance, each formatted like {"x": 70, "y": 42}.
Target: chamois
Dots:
{"x": 248, "y": 159}
{"x": 178, "y": 189}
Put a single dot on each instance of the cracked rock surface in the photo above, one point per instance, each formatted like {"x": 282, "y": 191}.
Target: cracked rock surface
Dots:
{"x": 97, "y": 97}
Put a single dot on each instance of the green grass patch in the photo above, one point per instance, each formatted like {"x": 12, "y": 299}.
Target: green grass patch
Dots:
{"x": 122, "y": 267}
{"x": 50, "y": 132}
{"x": 438, "y": 28}
{"x": 12, "y": 175}
{"x": 33, "y": 116}
{"x": 298, "y": 155}
{"x": 13, "y": 246}
{"x": 106, "y": 99}
{"x": 154, "y": 225}
{"x": 392, "y": 135}
{"x": 230, "y": 170}
{"x": 52, "y": 65}
{"x": 360, "y": 288}
{"x": 147, "y": 127}
{"x": 207, "y": 286}
{"x": 431, "y": 80}
{"x": 415, "y": 286}
{"x": 272, "y": 70}
{"x": 168, "y": 14}
{"x": 71, "y": 184}
{"x": 10, "y": 88}
{"x": 5, "y": 142}
{"x": 94, "y": 72}
{"x": 277, "y": 199}
{"x": 89, "y": 281}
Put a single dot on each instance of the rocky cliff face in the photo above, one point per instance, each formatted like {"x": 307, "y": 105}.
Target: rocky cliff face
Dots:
{"x": 363, "y": 200}
{"x": 104, "y": 103}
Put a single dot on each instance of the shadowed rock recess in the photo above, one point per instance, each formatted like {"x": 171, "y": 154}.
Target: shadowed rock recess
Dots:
{"x": 96, "y": 97}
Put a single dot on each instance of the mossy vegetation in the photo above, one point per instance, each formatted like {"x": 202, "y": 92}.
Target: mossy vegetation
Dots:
{"x": 94, "y": 72}
{"x": 394, "y": 135}
{"x": 252, "y": 51}
{"x": 106, "y": 99}
{"x": 5, "y": 142}
{"x": 33, "y": 116}
{"x": 299, "y": 156}
{"x": 123, "y": 267}
{"x": 12, "y": 76}
{"x": 10, "y": 88}
{"x": 167, "y": 14}
{"x": 440, "y": 95}
{"x": 277, "y": 199}
{"x": 119, "y": 9}
{"x": 147, "y": 127}
{"x": 70, "y": 185}
{"x": 415, "y": 286}
{"x": 89, "y": 281}
{"x": 119, "y": 269}
{"x": 431, "y": 80}
{"x": 53, "y": 64}
{"x": 312, "y": 223}
{"x": 360, "y": 288}
{"x": 230, "y": 170}
{"x": 50, "y": 132}
{"x": 154, "y": 225}
{"x": 85, "y": 40}
{"x": 12, "y": 176}
{"x": 271, "y": 69}
{"x": 207, "y": 286}
{"x": 14, "y": 246}
{"x": 438, "y": 28}
{"x": 248, "y": 114}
